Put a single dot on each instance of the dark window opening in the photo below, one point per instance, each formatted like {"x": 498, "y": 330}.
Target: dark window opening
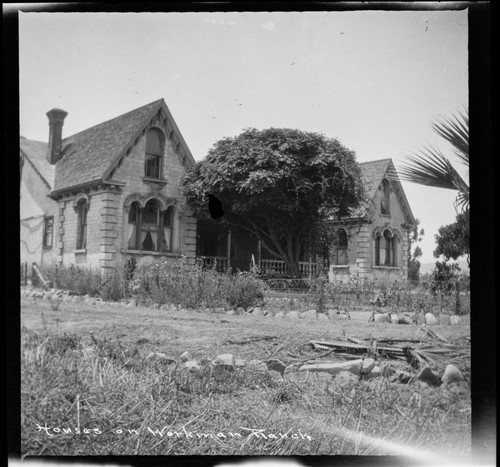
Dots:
{"x": 48, "y": 232}
{"x": 81, "y": 238}
{"x": 154, "y": 154}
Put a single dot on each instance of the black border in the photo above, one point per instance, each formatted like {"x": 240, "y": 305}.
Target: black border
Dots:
{"x": 483, "y": 319}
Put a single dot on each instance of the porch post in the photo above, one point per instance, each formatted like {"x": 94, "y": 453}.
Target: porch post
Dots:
{"x": 228, "y": 248}
{"x": 259, "y": 247}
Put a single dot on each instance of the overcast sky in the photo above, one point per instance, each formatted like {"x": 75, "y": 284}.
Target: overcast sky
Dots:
{"x": 374, "y": 80}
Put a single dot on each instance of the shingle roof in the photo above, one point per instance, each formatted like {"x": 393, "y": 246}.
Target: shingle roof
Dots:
{"x": 36, "y": 153}
{"x": 372, "y": 173}
{"x": 89, "y": 154}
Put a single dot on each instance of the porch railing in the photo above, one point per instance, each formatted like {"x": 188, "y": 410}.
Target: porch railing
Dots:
{"x": 278, "y": 267}
{"x": 221, "y": 262}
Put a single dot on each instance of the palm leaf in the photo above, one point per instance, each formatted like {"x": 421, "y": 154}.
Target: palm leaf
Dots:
{"x": 431, "y": 168}
{"x": 455, "y": 130}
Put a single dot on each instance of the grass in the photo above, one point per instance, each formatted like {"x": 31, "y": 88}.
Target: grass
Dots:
{"x": 132, "y": 405}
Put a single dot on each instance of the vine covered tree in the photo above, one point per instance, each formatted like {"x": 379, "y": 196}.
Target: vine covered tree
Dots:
{"x": 279, "y": 185}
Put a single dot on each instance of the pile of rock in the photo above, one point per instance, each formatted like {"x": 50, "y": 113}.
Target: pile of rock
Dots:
{"x": 416, "y": 318}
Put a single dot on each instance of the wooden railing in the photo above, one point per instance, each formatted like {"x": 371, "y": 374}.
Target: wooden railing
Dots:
{"x": 278, "y": 267}
{"x": 221, "y": 262}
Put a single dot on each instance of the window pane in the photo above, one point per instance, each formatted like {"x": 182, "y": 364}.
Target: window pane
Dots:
{"x": 154, "y": 142}
{"x": 342, "y": 238}
{"x": 150, "y": 214}
{"x": 133, "y": 214}
{"x": 48, "y": 232}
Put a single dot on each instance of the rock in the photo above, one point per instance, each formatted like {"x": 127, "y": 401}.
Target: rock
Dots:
{"x": 444, "y": 319}
{"x": 430, "y": 319}
{"x": 193, "y": 365}
{"x": 250, "y": 309}
{"x": 420, "y": 318}
{"x": 323, "y": 317}
{"x": 354, "y": 366}
{"x": 368, "y": 365}
{"x": 394, "y": 318}
{"x": 240, "y": 362}
{"x": 257, "y": 365}
{"x": 185, "y": 357}
{"x": 293, "y": 315}
{"x": 161, "y": 356}
{"x": 429, "y": 377}
{"x": 230, "y": 312}
{"x": 388, "y": 371}
{"x": 257, "y": 312}
{"x": 257, "y": 309}
{"x": 226, "y": 359}
{"x": 375, "y": 373}
{"x": 452, "y": 375}
{"x": 279, "y": 315}
{"x": 276, "y": 365}
{"x": 381, "y": 318}
{"x": 240, "y": 310}
{"x": 310, "y": 314}
{"x": 455, "y": 320}
{"x": 406, "y": 318}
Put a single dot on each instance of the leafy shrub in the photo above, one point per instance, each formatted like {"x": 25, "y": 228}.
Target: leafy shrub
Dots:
{"x": 78, "y": 280}
{"x": 114, "y": 287}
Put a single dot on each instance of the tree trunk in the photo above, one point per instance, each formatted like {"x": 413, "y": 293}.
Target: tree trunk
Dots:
{"x": 293, "y": 267}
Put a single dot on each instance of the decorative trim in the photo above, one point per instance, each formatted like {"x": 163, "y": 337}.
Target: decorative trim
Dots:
{"x": 80, "y": 252}
{"x": 79, "y": 197}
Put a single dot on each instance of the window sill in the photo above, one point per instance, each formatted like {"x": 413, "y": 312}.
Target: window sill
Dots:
{"x": 340, "y": 266}
{"x": 150, "y": 253}
{"x": 80, "y": 252}
{"x": 386, "y": 267}
{"x": 159, "y": 181}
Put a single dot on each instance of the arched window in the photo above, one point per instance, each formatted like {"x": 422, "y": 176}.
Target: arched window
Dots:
{"x": 385, "y": 205}
{"x": 133, "y": 227}
{"x": 342, "y": 243}
{"x": 385, "y": 249}
{"x": 149, "y": 228}
{"x": 154, "y": 154}
{"x": 81, "y": 232}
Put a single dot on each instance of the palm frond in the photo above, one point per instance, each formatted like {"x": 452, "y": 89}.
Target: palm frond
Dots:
{"x": 455, "y": 130}
{"x": 431, "y": 168}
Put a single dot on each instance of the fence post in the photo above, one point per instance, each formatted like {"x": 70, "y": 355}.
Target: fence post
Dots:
{"x": 321, "y": 300}
{"x": 457, "y": 298}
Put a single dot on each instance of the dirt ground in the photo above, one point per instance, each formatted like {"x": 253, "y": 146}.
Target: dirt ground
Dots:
{"x": 208, "y": 334}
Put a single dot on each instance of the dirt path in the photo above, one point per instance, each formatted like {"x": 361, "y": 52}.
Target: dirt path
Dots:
{"x": 204, "y": 334}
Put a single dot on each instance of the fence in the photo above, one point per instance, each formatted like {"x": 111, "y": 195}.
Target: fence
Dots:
{"x": 270, "y": 267}
{"x": 24, "y": 273}
{"x": 436, "y": 296}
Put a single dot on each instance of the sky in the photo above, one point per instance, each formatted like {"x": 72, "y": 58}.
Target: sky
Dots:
{"x": 375, "y": 80}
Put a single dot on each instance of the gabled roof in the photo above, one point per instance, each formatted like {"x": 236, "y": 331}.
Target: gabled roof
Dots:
{"x": 89, "y": 156}
{"x": 372, "y": 174}
{"x": 35, "y": 152}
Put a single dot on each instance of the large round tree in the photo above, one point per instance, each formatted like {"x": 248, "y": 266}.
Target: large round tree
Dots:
{"x": 278, "y": 184}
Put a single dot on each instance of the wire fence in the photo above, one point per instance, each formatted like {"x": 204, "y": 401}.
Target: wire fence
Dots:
{"x": 451, "y": 297}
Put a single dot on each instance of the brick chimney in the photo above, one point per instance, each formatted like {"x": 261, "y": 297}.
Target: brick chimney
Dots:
{"x": 56, "y": 121}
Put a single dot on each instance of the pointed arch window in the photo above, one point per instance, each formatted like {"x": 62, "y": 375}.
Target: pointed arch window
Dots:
{"x": 385, "y": 205}
{"x": 386, "y": 249}
{"x": 154, "y": 154}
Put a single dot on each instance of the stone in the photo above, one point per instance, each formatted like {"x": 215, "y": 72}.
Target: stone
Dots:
{"x": 323, "y": 317}
{"x": 311, "y": 314}
{"x": 430, "y": 319}
{"x": 226, "y": 359}
{"x": 161, "y": 356}
{"x": 429, "y": 377}
{"x": 452, "y": 375}
{"x": 375, "y": 373}
{"x": 230, "y": 312}
{"x": 250, "y": 309}
{"x": 293, "y": 315}
{"x": 240, "y": 362}
{"x": 402, "y": 376}
{"x": 193, "y": 365}
{"x": 257, "y": 312}
{"x": 257, "y": 309}
{"x": 394, "y": 318}
{"x": 354, "y": 366}
{"x": 455, "y": 320}
{"x": 240, "y": 310}
{"x": 388, "y": 371}
{"x": 444, "y": 319}
{"x": 279, "y": 315}
{"x": 381, "y": 318}
{"x": 368, "y": 365}
{"x": 420, "y": 318}
{"x": 406, "y": 318}
{"x": 185, "y": 357}
{"x": 257, "y": 365}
